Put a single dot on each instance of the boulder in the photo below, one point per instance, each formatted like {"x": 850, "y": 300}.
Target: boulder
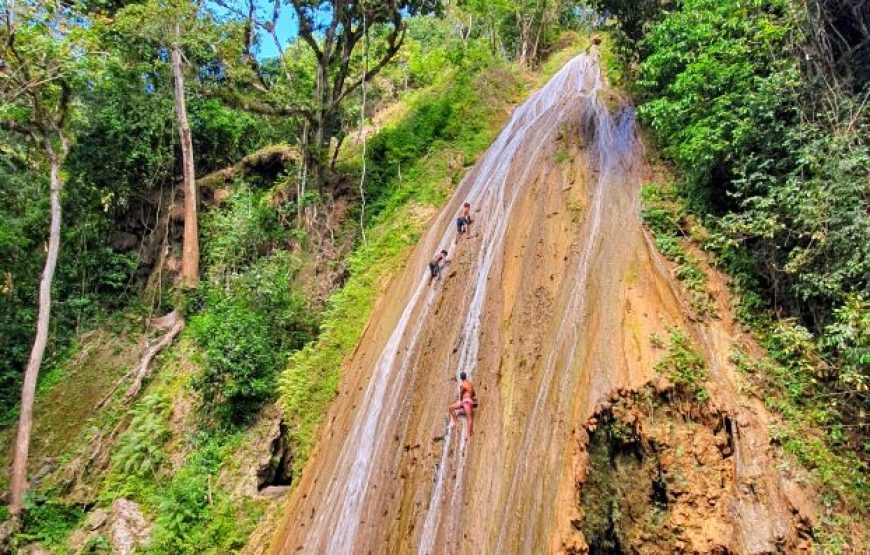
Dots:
{"x": 123, "y": 524}
{"x": 128, "y": 528}
{"x": 274, "y": 492}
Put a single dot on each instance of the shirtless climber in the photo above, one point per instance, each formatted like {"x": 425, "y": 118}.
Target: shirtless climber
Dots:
{"x": 466, "y": 402}
{"x": 437, "y": 264}
{"x": 463, "y": 219}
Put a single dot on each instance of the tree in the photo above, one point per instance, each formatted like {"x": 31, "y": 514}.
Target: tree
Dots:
{"x": 190, "y": 249}
{"x": 534, "y": 18}
{"x": 43, "y": 53}
{"x": 523, "y": 24}
{"x": 331, "y": 30}
{"x": 154, "y": 21}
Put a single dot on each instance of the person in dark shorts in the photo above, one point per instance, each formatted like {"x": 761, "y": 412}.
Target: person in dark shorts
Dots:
{"x": 436, "y": 265}
{"x": 463, "y": 218}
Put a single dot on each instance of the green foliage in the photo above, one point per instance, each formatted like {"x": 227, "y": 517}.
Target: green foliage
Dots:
{"x": 635, "y": 17}
{"x": 430, "y": 49}
{"x": 684, "y": 366}
{"x": 139, "y": 454}
{"x": 445, "y": 116}
{"x": 710, "y": 78}
{"x": 806, "y": 225}
{"x": 247, "y": 326}
{"x": 48, "y": 59}
{"x": 781, "y": 179}
{"x": 513, "y": 29}
{"x": 792, "y": 381}
{"x": 848, "y": 339}
{"x": 195, "y": 516}
{"x": 97, "y": 545}
{"x": 48, "y": 522}
{"x": 667, "y": 218}
{"x": 122, "y": 156}
{"x": 239, "y": 233}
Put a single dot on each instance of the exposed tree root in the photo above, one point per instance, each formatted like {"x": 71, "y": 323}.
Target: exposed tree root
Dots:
{"x": 175, "y": 323}
{"x": 143, "y": 369}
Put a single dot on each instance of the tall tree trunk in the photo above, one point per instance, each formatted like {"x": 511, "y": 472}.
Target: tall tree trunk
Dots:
{"x": 315, "y": 148}
{"x": 525, "y": 38}
{"x": 190, "y": 248}
{"x": 18, "y": 486}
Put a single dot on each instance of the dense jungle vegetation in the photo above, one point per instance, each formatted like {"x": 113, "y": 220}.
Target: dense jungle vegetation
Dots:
{"x": 762, "y": 108}
{"x": 319, "y": 153}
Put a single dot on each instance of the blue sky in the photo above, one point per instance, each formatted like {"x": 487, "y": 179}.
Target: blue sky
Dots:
{"x": 287, "y": 27}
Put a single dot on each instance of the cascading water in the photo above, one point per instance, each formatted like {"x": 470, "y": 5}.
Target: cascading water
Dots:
{"x": 487, "y": 189}
{"x": 577, "y": 85}
{"x": 504, "y": 173}
{"x": 548, "y": 306}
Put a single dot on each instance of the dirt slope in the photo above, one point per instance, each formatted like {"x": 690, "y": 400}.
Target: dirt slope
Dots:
{"x": 549, "y": 307}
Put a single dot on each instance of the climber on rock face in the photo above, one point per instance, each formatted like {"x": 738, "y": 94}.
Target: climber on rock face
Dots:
{"x": 437, "y": 264}
{"x": 466, "y": 402}
{"x": 463, "y": 219}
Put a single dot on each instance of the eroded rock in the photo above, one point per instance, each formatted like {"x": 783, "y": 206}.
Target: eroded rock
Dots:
{"x": 263, "y": 461}
{"x": 662, "y": 478}
{"x": 128, "y": 527}
{"x": 123, "y": 524}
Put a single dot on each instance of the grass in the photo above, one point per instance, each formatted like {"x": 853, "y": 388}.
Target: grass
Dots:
{"x": 683, "y": 366}
{"x": 667, "y": 218}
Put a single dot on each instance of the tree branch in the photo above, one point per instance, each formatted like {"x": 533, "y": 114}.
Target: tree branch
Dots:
{"x": 23, "y": 129}
{"x": 260, "y": 107}
{"x": 306, "y": 31}
{"x": 392, "y": 49}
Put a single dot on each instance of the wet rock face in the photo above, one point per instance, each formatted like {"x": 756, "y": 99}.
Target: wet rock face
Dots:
{"x": 661, "y": 479}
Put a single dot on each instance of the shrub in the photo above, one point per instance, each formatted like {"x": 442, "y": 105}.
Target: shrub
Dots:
{"x": 847, "y": 339}
{"x": 684, "y": 366}
{"x": 139, "y": 455}
{"x": 239, "y": 233}
{"x": 195, "y": 516}
{"x": 781, "y": 177}
{"x": 248, "y": 325}
{"x": 48, "y": 522}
